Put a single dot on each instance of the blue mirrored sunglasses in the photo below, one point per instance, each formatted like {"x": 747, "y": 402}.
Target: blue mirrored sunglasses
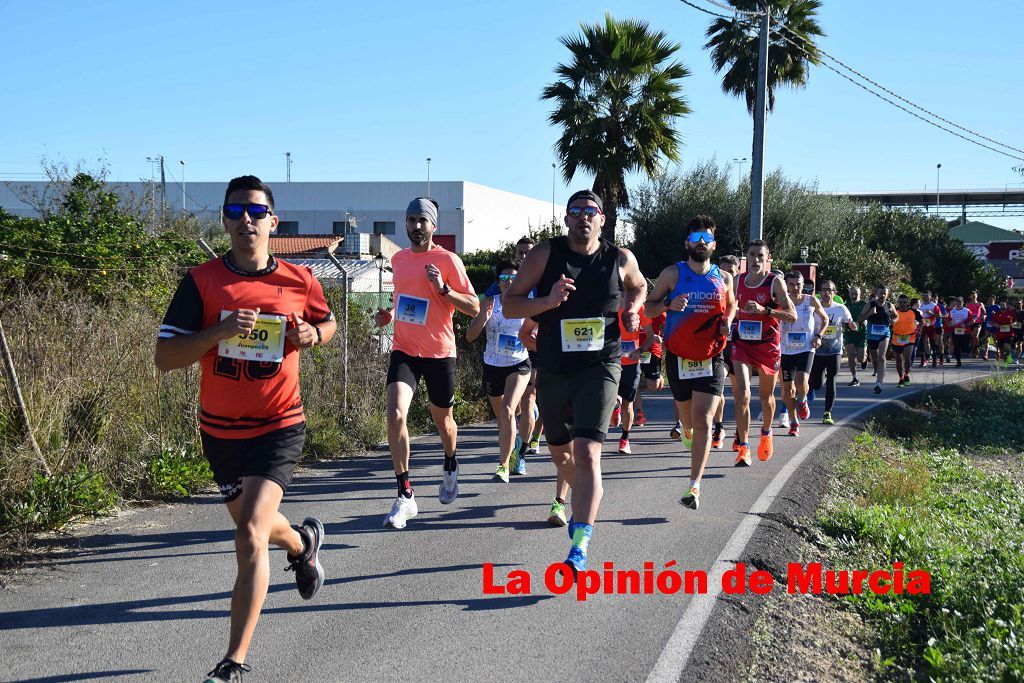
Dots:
{"x": 506, "y": 278}
{"x": 255, "y": 211}
{"x": 705, "y": 237}
{"x": 577, "y": 211}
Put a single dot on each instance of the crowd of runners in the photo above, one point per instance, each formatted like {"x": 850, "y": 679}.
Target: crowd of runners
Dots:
{"x": 574, "y": 335}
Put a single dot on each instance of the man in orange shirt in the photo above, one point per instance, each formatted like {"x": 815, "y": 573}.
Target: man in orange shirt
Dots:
{"x": 430, "y": 285}
{"x": 243, "y": 317}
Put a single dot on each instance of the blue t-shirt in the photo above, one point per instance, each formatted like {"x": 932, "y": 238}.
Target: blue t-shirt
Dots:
{"x": 495, "y": 290}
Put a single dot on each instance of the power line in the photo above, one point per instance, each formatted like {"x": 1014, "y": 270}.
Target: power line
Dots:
{"x": 167, "y": 169}
{"x": 78, "y": 255}
{"x": 899, "y": 106}
{"x": 896, "y": 95}
{"x": 702, "y": 9}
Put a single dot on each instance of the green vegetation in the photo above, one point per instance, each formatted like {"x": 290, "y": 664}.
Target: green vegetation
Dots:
{"x": 948, "y": 499}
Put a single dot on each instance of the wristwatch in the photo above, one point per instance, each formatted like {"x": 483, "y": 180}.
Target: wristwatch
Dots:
{"x": 445, "y": 289}
{"x": 667, "y": 301}
{"x": 319, "y": 336}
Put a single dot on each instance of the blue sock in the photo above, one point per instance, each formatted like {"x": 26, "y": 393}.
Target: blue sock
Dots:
{"x": 581, "y": 536}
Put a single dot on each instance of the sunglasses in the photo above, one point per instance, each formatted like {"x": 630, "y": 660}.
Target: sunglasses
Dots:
{"x": 705, "y": 237}
{"x": 255, "y": 211}
{"x": 577, "y": 211}
{"x": 506, "y": 278}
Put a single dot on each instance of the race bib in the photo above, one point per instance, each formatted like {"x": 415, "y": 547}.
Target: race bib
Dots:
{"x": 796, "y": 340}
{"x": 902, "y": 339}
{"x": 750, "y": 330}
{"x": 1004, "y": 328}
{"x": 583, "y": 334}
{"x": 692, "y": 369}
{"x": 509, "y": 345}
{"x": 831, "y": 332}
{"x": 879, "y": 330}
{"x": 627, "y": 347}
{"x": 960, "y": 330}
{"x": 411, "y": 309}
{"x": 645, "y": 357}
{"x": 264, "y": 344}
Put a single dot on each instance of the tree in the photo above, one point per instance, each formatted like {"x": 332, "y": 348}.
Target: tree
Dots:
{"x": 734, "y": 47}
{"x": 616, "y": 103}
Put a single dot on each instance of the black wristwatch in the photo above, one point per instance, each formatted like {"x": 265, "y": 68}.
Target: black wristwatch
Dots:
{"x": 667, "y": 301}
{"x": 319, "y": 336}
{"x": 445, "y": 289}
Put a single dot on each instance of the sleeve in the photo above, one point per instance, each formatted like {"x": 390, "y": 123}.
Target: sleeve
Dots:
{"x": 185, "y": 313}
{"x": 317, "y": 310}
{"x": 493, "y": 290}
{"x": 846, "y": 316}
{"x": 458, "y": 279}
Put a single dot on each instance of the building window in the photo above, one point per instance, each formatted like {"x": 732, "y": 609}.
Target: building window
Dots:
{"x": 383, "y": 227}
{"x": 339, "y": 227}
{"x": 288, "y": 228}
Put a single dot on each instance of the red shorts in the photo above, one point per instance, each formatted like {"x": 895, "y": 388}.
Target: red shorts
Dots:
{"x": 764, "y": 357}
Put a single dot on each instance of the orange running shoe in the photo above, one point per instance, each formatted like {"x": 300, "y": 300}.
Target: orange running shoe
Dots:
{"x": 765, "y": 450}
{"x": 736, "y": 442}
{"x": 742, "y": 455}
{"x": 640, "y": 420}
{"x": 716, "y": 436}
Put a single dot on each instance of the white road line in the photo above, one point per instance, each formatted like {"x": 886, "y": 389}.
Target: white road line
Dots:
{"x": 676, "y": 654}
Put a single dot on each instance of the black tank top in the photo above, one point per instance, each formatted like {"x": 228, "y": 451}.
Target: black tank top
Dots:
{"x": 598, "y": 292}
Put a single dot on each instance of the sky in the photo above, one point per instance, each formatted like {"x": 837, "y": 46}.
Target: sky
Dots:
{"x": 369, "y": 90}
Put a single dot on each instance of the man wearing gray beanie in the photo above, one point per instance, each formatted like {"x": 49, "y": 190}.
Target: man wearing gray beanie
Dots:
{"x": 430, "y": 285}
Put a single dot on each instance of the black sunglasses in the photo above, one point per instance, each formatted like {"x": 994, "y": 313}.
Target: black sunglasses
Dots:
{"x": 255, "y": 211}
{"x": 577, "y": 211}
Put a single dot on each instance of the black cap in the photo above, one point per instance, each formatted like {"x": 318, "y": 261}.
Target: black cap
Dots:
{"x": 585, "y": 194}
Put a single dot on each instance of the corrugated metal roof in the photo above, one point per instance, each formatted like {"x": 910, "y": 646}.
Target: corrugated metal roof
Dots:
{"x": 976, "y": 232}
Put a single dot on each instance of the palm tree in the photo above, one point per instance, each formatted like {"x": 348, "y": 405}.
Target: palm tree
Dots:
{"x": 616, "y": 103}
{"x": 734, "y": 44}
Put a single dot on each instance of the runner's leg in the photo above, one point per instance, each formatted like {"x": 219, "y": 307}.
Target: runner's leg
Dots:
{"x": 399, "y": 397}
{"x": 741, "y": 400}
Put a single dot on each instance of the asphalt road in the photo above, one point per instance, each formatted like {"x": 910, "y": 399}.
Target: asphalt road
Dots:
{"x": 144, "y": 595}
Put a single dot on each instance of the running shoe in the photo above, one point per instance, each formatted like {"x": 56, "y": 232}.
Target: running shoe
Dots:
{"x": 692, "y": 498}
{"x": 794, "y": 428}
{"x": 765, "y": 449}
{"x": 854, "y": 382}
{"x": 624, "y": 447}
{"x": 640, "y": 420}
{"x": 826, "y": 418}
{"x": 901, "y": 383}
{"x": 878, "y": 389}
{"x": 863, "y": 365}
{"x": 534, "y": 447}
{"x": 227, "y": 671}
{"x": 716, "y": 436}
{"x": 742, "y": 456}
{"x": 784, "y": 419}
{"x": 501, "y": 474}
{"x": 810, "y": 398}
{"x": 676, "y": 431}
{"x": 309, "y": 575}
{"x": 577, "y": 560}
{"x": 557, "y": 515}
{"x": 449, "y": 488}
{"x": 616, "y": 414}
{"x": 906, "y": 380}
{"x": 520, "y": 466}
{"x": 803, "y": 410}
{"x": 687, "y": 438}
{"x": 736, "y": 442}
{"x": 404, "y": 509}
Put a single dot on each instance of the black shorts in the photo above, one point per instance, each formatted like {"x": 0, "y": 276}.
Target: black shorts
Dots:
{"x": 727, "y": 357}
{"x": 629, "y": 382}
{"x": 682, "y": 389}
{"x": 896, "y": 348}
{"x": 873, "y": 343}
{"x": 272, "y": 456}
{"x": 577, "y": 404}
{"x": 495, "y": 376}
{"x": 437, "y": 373}
{"x": 793, "y": 363}
{"x": 652, "y": 370}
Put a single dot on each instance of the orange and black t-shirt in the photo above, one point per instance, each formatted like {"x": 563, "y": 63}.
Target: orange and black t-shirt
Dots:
{"x": 240, "y": 399}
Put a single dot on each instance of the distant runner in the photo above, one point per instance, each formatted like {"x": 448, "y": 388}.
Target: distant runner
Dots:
{"x": 826, "y": 357}
{"x": 877, "y": 318}
{"x": 905, "y": 329}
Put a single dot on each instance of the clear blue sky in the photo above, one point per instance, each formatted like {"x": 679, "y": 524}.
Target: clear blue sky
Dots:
{"x": 368, "y": 90}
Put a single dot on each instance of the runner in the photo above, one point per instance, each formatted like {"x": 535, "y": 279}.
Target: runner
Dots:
{"x": 762, "y": 303}
{"x": 629, "y": 382}
{"x": 931, "y": 339}
{"x": 958, "y": 320}
{"x": 827, "y": 357}
{"x": 856, "y": 339}
{"x": 506, "y": 369}
{"x": 727, "y": 264}
{"x": 700, "y": 306}
{"x": 580, "y": 280}
{"x": 430, "y": 285}
{"x": 650, "y": 360}
{"x": 977, "y": 321}
{"x": 1002, "y": 331}
{"x": 877, "y": 317}
{"x": 905, "y": 329}
{"x": 244, "y": 317}
{"x": 800, "y": 338}
{"x": 1018, "y": 332}
{"x": 988, "y": 329}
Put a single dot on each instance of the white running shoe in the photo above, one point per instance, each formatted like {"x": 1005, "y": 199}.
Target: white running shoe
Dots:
{"x": 403, "y": 510}
{"x": 784, "y": 420}
{"x": 449, "y": 488}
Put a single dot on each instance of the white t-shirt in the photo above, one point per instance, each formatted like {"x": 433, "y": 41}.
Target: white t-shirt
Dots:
{"x": 798, "y": 337}
{"x": 832, "y": 335}
{"x": 503, "y": 346}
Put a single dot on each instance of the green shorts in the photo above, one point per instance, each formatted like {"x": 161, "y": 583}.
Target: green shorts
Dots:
{"x": 858, "y": 340}
{"x": 577, "y": 404}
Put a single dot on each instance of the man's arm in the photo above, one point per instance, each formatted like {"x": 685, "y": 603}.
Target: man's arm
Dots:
{"x": 184, "y": 350}
{"x": 786, "y": 311}
{"x": 517, "y": 302}
{"x": 635, "y": 287}
{"x": 731, "y": 305}
{"x": 663, "y": 286}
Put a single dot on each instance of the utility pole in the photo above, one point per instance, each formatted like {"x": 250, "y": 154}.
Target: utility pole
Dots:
{"x": 553, "y": 195}
{"x": 183, "y": 195}
{"x": 163, "y": 192}
{"x": 428, "y": 176}
{"x": 760, "y": 114}
{"x": 938, "y": 168}
{"x": 288, "y": 166}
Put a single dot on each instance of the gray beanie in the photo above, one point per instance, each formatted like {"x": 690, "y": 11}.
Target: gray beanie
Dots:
{"x": 422, "y": 206}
